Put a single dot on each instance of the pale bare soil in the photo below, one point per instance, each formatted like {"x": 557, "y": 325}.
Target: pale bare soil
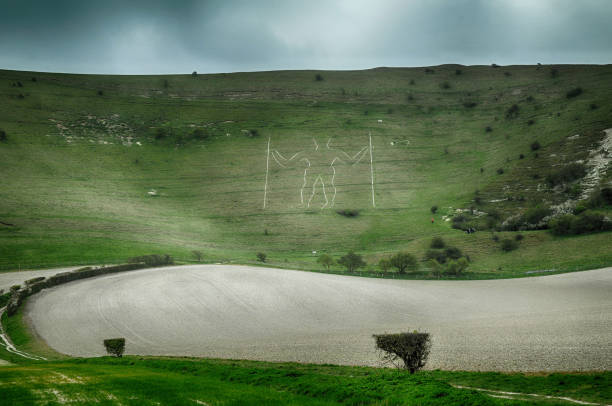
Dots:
{"x": 555, "y": 322}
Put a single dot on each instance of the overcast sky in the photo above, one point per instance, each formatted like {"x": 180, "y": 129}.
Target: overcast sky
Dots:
{"x": 180, "y": 36}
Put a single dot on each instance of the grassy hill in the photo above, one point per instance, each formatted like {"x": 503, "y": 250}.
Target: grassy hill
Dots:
{"x": 96, "y": 169}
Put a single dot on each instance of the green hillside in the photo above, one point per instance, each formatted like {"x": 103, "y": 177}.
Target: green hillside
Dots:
{"x": 97, "y": 169}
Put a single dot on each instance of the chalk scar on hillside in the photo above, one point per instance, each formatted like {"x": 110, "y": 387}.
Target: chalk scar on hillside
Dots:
{"x": 319, "y": 169}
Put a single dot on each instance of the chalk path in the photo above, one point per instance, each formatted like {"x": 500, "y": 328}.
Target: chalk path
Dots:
{"x": 554, "y": 322}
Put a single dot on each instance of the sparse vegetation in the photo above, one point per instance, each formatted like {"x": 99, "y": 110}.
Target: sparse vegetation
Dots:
{"x": 437, "y": 242}
{"x": 198, "y": 255}
{"x": 567, "y": 173}
{"x": 508, "y": 245}
{"x": 261, "y": 257}
{"x": 513, "y": 111}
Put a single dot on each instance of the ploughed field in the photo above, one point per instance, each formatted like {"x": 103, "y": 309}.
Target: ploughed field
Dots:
{"x": 555, "y": 322}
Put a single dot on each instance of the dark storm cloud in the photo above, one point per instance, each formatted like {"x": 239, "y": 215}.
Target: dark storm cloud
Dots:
{"x": 210, "y": 36}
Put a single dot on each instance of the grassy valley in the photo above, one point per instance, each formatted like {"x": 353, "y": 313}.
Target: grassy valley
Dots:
{"x": 97, "y": 169}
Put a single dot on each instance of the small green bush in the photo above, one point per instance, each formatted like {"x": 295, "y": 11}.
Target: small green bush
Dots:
{"x": 453, "y": 253}
{"x": 574, "y": 92}
{"x": 261, "y": 257}
{"x": 469, "y": 104}
{"x": 318, "y": 77}
{"x": 198, "y": 255}
{"x": 500, "y": 171}
{"x": 352, "y": 261}
{"x": 456, "y": 267}
{"x": 513, "y": 111}
{"x": 384, "y": 264}
{"x": 403, "y": 261}
{"x": 3, "y": 136}
{"x": 488, "y": 129}
{"x": 508, "y": 244}
{"x": 326, "y": 260}
{"x": 115, "y": 346}
{"x": 434, "y": 209}
{"x": 445, "y": 85}
{"x": 535, "y": 146}
{"x": 536, "y": 214}
{"x": 437, "y": 242}
{"x": 412, "y": 349}
{"x": 348, "y": 212}
{"x": 566, "y": 174}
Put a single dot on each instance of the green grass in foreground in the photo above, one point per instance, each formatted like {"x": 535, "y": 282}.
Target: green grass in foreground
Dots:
{"x": 172, "y": 381}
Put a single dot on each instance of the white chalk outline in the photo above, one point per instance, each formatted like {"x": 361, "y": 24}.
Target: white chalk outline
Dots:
{"x": 372, "y": 170}
{"x": 267, "y": 170}
{"x": 355, "y": 159}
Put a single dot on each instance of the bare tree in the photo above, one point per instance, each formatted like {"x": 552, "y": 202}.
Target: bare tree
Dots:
{"x": 412, "y": 349}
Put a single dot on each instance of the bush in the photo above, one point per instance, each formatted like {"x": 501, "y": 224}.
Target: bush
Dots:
{"x": 403, "y": 261}
{"x": 606, "y": 194}
{"x": 513, "y": 111}
{"x": 593, "y": 106}
{"x": 160, "y": 133}
{"x": 318, "y": 77}
{"x": 194, "y": 74}
{"x": 531, "y": 122}
{"x": 535, "y": 146}
{"x": 469, "y": 104}
{"x": 384, "y": 264}
{"x": 458, "y": 71}
{"x": 535, "y": 214}
{"x": 197, "y": 255}
{"x": 445, "y": 85}
{"x": 554, "y": 72}
{"x": 261, "y": 257}
{"x": 508, "y": 244}
{"x": 566, "y": 174}
{"x": 115, "y": 346}
{"x": 253, "y": 133}
{"x": 488, "y": 129}
{"x": 574, "y": 92}
{"x": 589, "y": 222}
{"x": 348, "y": 213}
{"x": 152, "y": 260}
{"x": 412, "y": 349}
{"x": 500, "y": 171}
{"x": 434, "y": 209}
{"x": 100, "y": 93}
{"x": 437, "y": 255}
{"x": 3, "y": 136}
{"x": 199, "y": 134}
{"x": 456, "y": 268}
{"x": 460, "y": 222}
{"x": 519, "y": 237}
{"x": 437, "y": 242}
{"x": 453, "y": 252}
{"x": 352, "y": 261}
{"x": 561, "y": 225}
{"x": 429, "y": 70}
{"x": 326, "y": 260}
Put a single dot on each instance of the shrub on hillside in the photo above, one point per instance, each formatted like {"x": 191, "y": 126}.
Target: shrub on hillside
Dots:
{"x": 453, "y": 253}
{"x": 513, "y": 111}
{"x": 508, "y": 244}
{"x": 384, "y": 264}
{"x": 445, "y": 85}
{"x": 458, "y": 72}
{"x": 574, "y": 92}
{"x": 326, "y": 260}
{"x": 261, "y": 257}
{"x": 348, "y": 212}
{"x": 586, "y": 222}
{"x": 536, "y": 214}
{"x": 404, "y": 350}
{"x": 3, "y": 136}
{"x": 568, "y": 173}
{"x": 456, "y": 267}
{"x": 437, "y": 242}
{"x": 199, "y": 134}
{"x": 403, "y": 261}
{"x": 535, "y": 146}
{"x": 606, "y": 194}
{"x": 429, "y": 70}
{"x": 434, "y": 209}
{"x": 500, "y": 171}
{"x": 100, "y": 93}
{"x": 488, "y": 129}
{"x": 115, "y": 346}
{"x": 318, "y": 77}
{"x": 554, "y": 72}
{"x": 352, "y": 261}
{"x": 198, "y": 255}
